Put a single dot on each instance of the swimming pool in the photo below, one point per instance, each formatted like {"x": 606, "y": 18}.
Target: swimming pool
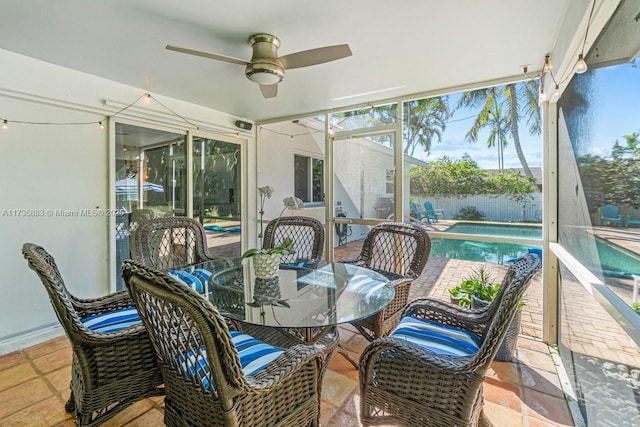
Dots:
{"x": 612, "y": 260}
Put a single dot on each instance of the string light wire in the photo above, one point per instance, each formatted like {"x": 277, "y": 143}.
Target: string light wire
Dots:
{"x": 100, "y": 122}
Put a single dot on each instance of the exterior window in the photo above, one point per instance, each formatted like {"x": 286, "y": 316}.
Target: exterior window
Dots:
{"x": 390, "y": 180}
{"x": 309, "y": 179}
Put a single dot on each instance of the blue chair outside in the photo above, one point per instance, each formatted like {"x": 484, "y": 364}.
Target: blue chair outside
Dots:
{"x": 431, "y": 212}
{"x": 610, "y": 213}
{"x": 419, "y": 213}
{"x": 631, "y": 221}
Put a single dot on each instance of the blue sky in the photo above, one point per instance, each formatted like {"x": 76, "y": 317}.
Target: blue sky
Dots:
{"x": 617, "y": 110}
{"x": 616, "y": 113}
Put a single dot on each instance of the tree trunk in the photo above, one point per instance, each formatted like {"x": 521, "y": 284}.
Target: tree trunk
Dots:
{"x": 513, "y": 99}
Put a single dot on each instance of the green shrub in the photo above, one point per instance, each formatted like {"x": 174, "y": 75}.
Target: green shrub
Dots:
{"x": 469, "y": 213}
{"x": 636, "y": 307}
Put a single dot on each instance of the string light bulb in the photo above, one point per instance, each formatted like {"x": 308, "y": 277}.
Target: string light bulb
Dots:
{"x": 548, "y": 66}
{"x": 291, "y": 138}
{"x": 5, "y": 124}
{"x": 581, "y": 65}
{"x": 555, "y": 96}
{"x": 147, "y": 98}
{"x": 101, "y": 125}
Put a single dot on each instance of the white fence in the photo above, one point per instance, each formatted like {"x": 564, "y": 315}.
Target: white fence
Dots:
{"x": 495, "y": 208}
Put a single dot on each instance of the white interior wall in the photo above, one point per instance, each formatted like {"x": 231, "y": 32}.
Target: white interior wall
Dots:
{"x": 49, "y": 169}
{"x": 275, "y": 152}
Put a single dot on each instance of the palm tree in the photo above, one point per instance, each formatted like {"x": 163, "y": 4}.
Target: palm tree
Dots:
{"x": 424, "y": 122}
{"x": 500, "y": 128}
{"x": 519, "y": 100}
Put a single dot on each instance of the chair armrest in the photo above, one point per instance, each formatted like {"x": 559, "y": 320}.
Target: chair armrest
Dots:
{"x": 358, "y": 262}
{"x": 399, "y": 301}
{"x": 405, "y": 354}
{"x": 447, "y": 313}
{"x": 111, "y": 302}
{"x": 285, "y": 366}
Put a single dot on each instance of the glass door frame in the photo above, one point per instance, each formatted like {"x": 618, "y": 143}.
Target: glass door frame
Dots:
{"x": 111, "y": 219}
{"x": 398, "y": 161}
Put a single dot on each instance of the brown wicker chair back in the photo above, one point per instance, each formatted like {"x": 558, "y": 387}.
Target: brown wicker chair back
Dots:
{"x": 306, "y": 234}
{"x": 187, "y": 332}
{"x": 405, "y": 383}
{"x": 396, "y": 249}
{"x": 399, "y": 251}
{"x": 109, "y": 371}
{"x": 166, "y": 243}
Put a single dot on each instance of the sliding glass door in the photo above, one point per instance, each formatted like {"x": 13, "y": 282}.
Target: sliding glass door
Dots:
{"x": 150, "y": 172}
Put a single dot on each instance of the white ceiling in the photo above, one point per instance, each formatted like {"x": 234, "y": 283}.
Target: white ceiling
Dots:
{"x": 399, "y": 47}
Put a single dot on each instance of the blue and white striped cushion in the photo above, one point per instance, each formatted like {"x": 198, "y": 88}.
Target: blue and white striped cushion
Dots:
{"x": 188, "y": 279}
{"x": 441, "y": 339}
{"x": 254, "y": 356}
{"x": 365, "y": 286}
{"x": 202, "y": 274}
{"x": 112, "y": 321}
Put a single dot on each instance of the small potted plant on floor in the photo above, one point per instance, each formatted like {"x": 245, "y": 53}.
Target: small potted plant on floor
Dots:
{"x": 478, "y": 290}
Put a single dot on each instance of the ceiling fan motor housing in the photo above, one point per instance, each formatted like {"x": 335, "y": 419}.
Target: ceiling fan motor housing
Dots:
{"x": 264, "y": 67}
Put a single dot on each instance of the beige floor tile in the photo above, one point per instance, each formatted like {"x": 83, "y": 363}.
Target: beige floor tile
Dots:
{"x": 327, "y": 411}
{"x": 502, "y": 393}
{"x": 550, "y": 409}
{"x": 12, "y": 359}
{"x": 15, "y": 375}
{"x": 129, "y": 414}
{"x": 336, "y": 388}
{"x": 501, "y": 416}
{"x": 150, "y": 418}
{"x": 46, "y": 413}
{"x": 48, "y": 347}
{"x": 60, "y": 380}
{"x": 53, "y": 361}
{"x": 23, "y": 396}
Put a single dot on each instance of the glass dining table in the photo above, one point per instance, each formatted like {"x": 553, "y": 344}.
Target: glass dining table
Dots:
{"x": 301, "y": 302}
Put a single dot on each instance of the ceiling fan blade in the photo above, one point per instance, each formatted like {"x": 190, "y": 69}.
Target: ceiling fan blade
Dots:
{"x": 269, "y": 91}
{"x": 208, "y": 55}
{"x": 316, "y": 56}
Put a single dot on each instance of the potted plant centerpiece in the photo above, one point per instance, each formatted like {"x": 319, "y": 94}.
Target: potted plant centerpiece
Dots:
{"x": 266, "y": 262}
{"x": 478, "y": 290}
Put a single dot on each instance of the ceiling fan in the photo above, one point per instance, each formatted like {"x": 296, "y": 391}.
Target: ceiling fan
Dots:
{"x": 266, "y": 68}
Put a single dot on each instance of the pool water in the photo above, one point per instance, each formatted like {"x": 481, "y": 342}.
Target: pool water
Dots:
{"x": 503, "y": 230}
{"x": 613, "y": 260}
{"x": 491, "y": 252}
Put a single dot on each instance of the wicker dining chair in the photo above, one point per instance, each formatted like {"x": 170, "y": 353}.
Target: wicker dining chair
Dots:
{"x": 113, "y": 363}
{"x": 306, "y": 235}
{"x": 171, "y": 242}
{"x": 430, "y": 370}
{"x": 215, "y": 376}
{"x": 398, "y": 251}
{"x": 137, "y": 217}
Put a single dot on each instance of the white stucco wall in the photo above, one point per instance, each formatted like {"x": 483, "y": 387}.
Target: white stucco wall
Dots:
{"x": 45, "y": 168}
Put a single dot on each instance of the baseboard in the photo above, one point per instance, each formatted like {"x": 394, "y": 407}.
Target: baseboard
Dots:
{"x": 31, "y": 338}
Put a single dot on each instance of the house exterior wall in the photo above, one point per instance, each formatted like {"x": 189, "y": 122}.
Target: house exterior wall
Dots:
{"x": 360, "y": 167}
{"x": 49, "y": 173}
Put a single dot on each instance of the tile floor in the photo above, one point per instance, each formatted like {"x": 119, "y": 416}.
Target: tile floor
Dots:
{"x": 34, "y": 384}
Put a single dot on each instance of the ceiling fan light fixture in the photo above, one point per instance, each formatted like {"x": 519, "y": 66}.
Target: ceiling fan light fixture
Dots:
{"x": 264, "y": 73}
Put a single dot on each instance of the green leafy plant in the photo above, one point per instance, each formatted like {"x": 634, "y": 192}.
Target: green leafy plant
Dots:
{"x": 478, "y": 284}
{"x": 636, "y": 307}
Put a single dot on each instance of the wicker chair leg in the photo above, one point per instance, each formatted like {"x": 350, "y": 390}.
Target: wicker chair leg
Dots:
{"x": 70, "y": 406}
{"x": 345, "y": 353}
